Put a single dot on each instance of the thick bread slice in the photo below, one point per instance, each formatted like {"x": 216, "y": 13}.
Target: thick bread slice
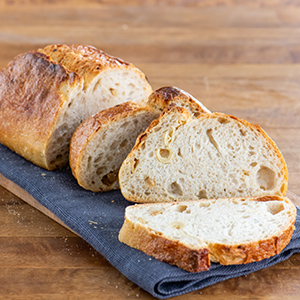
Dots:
{"x": 101, "y": 143}
{"x": 190, "y": 234}
{"x": 45, "y": 95}
{"x": 215, "y": 155}
{"x": 163, "y": 97}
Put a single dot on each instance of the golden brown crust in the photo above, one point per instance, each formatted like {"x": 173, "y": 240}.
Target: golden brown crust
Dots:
{"x": 27, "y": 112}
{"x": 164, "y": 96}
{"x": 85, "y": 132}
{"x": 155, "y": 244}
{"x": 86, "y": 61}
{"x": 163, "y": 249}
{"x": 251, "y": 252}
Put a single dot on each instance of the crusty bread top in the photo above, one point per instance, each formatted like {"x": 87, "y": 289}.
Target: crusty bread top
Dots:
{"x": 85, "y": 132}
{"x": 86, "y": 61}
{"x": 163, "y": 97}
{"x": 27, "y": 112}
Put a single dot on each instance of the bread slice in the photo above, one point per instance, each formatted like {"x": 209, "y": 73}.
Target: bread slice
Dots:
{"x": 101, "y": 143}
{"x": 212, "y": 156}
{"x": 190, "y": 234}
{"x": 46, "y": 94}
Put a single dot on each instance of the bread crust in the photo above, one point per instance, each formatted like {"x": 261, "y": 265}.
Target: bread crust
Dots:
{"x": 86, "y": 131}
{"x": 164, "y": 96}
{"x": 186, "y": 117}
{"x": 184, "y": 256}
{"x": 87, "y": 61}
{"x": 27, "y": 112}
{"x": 170, "y": 251}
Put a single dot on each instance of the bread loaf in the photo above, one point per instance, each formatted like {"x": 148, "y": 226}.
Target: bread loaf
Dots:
{"x": 190, "y": 234}
{"x": 101, "y": 143}
{"x": 46, "y": 94}
{"x": 212, "y": 156}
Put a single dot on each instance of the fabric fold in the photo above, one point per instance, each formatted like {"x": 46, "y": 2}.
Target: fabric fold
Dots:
{"x": 98, "y": 217}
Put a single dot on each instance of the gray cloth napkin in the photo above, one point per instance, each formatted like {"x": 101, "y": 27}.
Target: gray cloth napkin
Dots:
{"x": 98, "y": 217}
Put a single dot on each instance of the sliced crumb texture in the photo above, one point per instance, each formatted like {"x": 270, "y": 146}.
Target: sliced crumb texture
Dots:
{"x": 102, "y": 142}
{"x": 232, "y": 230}
{"x": 211, "y": 156}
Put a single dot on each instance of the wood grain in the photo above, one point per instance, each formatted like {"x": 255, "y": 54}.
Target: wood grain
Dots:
{"x": 238, "y": 57}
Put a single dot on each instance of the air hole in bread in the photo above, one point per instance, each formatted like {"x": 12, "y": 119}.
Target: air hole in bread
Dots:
{"x": 251, "y": 153}
{"x": 179, "y": 152}
{"x": 243, "y": 132}
{"x": 205, "y": 204}
{"x": 124, "y": 143}
{"x": 266, "y": 178}
{"x": 142, "y": 145}
{"x": 113, "y": 92}
{"x": 212, "y": 140}
{"x": 202, "y": 194}
{"x": 223, "y": 120}
{"x": 175, "y": 189}
{"x": 110, "y": 178}
{"x": 275, "y": 208}
{"x": 251, "y": 147}
{"x": 134, "y": 163}
{"x": 150, "y": 154}
{"x": 163, "y": 155}
{"x": 177, "y": 225}
{"x": 156, "y": 128}
{"x": 155, "y": 212}
{"x": 98, "y": 159}
{"x": 150, "y": 183}
{"x": 181, "y": 208}
{"x": 101, "y": 170}
{"x": 114, "y": 145}
{"x": 254, "y": 164}
{"x": 246, "y": 173}
{"x": 97, "y": 85}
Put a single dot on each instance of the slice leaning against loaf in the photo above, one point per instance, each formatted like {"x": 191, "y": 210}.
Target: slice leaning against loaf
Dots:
{"x": 212, "y": 156}
{"x": 46, "y": 94}
{"x": 190, "y": 234}
{"x": 101, "y": 143}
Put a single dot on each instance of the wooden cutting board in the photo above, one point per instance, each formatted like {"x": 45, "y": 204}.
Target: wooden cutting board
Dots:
{"x": 21, "y": 193}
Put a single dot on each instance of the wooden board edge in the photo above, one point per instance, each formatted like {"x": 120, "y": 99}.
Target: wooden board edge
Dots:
{"x": 25, "y": 196}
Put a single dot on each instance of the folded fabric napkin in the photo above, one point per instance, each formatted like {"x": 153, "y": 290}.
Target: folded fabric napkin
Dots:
{"x": 98, "y": 217}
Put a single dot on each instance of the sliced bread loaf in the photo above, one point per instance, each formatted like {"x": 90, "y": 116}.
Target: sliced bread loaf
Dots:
{"x": 46, "y": 94}
{"x": 190, "y": 234}
{"x": 214, "y": 155}
{"x": 101, "y": 143}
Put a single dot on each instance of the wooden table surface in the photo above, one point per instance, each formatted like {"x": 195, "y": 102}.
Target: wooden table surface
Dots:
{"x": 238, "y": 57}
